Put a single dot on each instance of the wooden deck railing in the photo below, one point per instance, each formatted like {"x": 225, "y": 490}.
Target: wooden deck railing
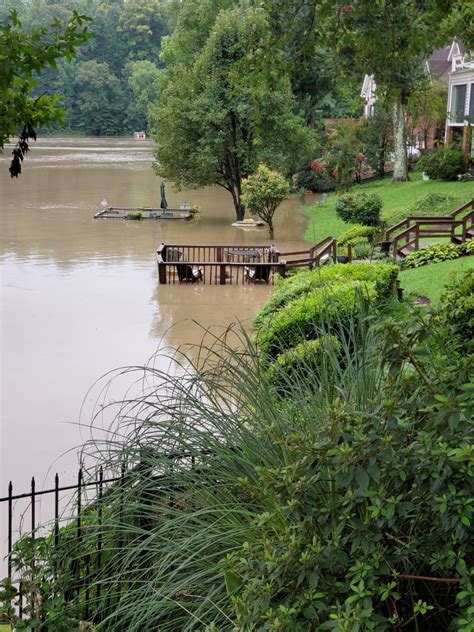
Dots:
{"x": 234, "y": 265}
{"x": 407, "y": 234}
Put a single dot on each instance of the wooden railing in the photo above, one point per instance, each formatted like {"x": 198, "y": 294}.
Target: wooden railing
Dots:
{"x": 313, "y": 256}
{"x": 234, "y": 265}
{"x": 407, "y": 234}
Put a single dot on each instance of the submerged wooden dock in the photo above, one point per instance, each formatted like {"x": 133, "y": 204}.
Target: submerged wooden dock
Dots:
{"x": 235, "y": 265}
{"x": 138, "y": 213}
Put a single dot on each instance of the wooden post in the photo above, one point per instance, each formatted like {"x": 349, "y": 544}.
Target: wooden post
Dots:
{"x": 349, "y": 252}
{"x": 162, "y": 273}
{"x": 220, "y": 257}
{"x": 417, "y": 236}
{"x": 334, "y": 251}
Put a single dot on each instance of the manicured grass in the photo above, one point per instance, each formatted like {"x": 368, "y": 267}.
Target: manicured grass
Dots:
{"x": 396, "y": 197}
{"x": 430, "y": 280}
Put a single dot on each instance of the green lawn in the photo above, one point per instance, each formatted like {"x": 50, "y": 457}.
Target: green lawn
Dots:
{"x": 396, "y": 197}
{"x": 429, "y": 281}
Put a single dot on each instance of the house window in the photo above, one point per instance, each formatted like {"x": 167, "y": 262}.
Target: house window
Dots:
{"x": 458, "y": 102}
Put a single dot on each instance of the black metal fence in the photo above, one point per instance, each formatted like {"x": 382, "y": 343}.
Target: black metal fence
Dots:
{"x": 81, "y": 559}
{"x": 75, "y": 498}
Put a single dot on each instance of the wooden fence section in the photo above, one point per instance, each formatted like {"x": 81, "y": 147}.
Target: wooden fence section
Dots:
{"x": 405, "y": 236}
{"x": 234, "y": 265}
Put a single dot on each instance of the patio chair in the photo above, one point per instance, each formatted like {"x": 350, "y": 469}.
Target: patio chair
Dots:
{"x": 173, "y": 254}
{"x": 258, "y": 273}
{"x": 188, "y": 273}
{"x": 323, "y": 201}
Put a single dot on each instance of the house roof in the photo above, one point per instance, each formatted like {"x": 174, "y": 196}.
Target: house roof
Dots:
{"x": 439, "y": 62}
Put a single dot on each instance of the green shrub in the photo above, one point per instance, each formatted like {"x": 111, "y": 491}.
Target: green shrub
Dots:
{"x": 353, "y": 235}
{"x": 456, "y": 313}
{"x": 363, "y": 208}
{"x": 312, "y": 513}
{"x": 431, "y": 254}
{"x": 323, "y": 298}
{"x": 305, "y": 281}
{"x": 317, "y": 181}
{"x": 445, "y": 163}
{"x": 363, "y": 250}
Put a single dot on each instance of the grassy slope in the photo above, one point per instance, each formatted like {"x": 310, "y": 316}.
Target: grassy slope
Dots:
{"x": 324, "y": 221}
{"x": 430, "y": 280}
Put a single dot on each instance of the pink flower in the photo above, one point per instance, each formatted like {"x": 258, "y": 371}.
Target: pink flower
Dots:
{"x": 360, "y": 158}
{"x": 316, "y": 167}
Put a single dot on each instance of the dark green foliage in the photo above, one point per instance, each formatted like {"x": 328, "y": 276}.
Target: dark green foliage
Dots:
{"x": 312, "y": 180}
{"x": 362, "y": 208}
{"x": 23, "y": 58}
{"x": 445, "y": 163}
{"x": 431, "y": 254}
{"x": 456, "y": 313}
{"x": 322, "y": 299}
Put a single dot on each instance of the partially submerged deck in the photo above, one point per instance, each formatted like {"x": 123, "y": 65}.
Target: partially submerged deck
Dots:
{"x": 138, "y": 213}
{"x": 235, "y": 265}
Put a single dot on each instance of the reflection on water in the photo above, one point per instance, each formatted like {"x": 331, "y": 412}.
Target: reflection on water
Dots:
{"x": 80, "y": 297}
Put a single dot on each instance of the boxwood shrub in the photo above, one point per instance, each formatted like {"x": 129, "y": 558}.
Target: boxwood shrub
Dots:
{"x": 354, "y": 235}
{"x": 322, "y": 299}
{"x": 384, "y": 275}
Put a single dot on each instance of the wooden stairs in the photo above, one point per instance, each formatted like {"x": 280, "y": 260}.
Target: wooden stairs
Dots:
{"x": 405, "y": 237}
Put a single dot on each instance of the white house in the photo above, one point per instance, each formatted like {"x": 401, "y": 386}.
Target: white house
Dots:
{"x": 460, "y": 116}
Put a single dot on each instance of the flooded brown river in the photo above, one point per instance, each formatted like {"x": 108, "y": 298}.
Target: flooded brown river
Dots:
{"x": 80, "y": 297}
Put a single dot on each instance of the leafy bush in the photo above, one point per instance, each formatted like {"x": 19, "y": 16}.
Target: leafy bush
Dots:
{"x": 431, "y": 254}
{"x": 363, "y": 250}
{"x": 363, "y": 208}
{"x": 456, "y": 313}
{"x": 305, "y": 281}
{"x": 322, "y": 299}
{"x": 317, "y": 181}
{"x": 445, "y": 163}
{"x": 353, "y": 235}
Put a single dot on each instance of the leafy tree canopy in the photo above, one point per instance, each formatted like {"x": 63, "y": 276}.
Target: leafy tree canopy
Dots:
{"x": 22, "y": 58}
{"x": 216, "y": 119}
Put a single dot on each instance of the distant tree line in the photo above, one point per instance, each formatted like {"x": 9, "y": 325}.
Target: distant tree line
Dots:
{"x": 106, "y": 89}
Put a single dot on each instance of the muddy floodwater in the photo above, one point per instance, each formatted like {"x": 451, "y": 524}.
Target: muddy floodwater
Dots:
{"x": 80, "y": 297}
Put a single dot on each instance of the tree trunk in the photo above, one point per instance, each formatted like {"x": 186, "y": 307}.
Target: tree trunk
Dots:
{"x": 240, "y": 211}
{"x": 270, "y": 228}
{"x": 400, "y": 168}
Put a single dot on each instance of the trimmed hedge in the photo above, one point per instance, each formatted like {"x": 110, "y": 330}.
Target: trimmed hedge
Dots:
{"x": 357, "y": 235}
{"x": 324, "y": 298}
{"x": 385, "y": 276}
